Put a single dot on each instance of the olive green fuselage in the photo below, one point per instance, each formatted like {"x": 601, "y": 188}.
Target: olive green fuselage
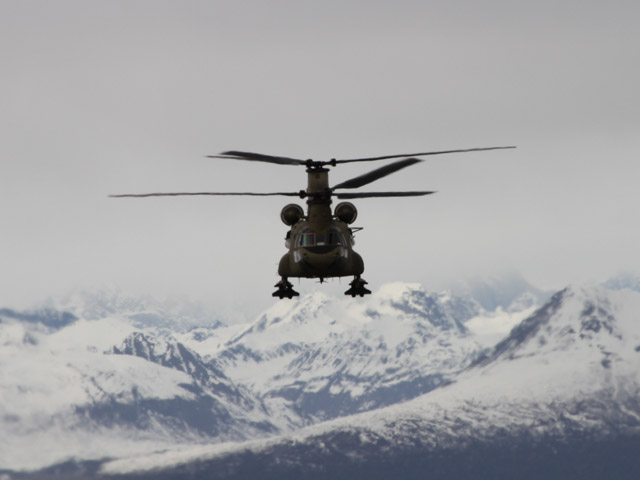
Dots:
{"x": 320, "y": 245}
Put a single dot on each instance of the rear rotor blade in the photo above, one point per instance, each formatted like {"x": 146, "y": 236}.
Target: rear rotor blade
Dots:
{"x": 300, "y": 194}
{"x": 347, "y": 196}
{"x": 258, "y": 157}
{"x": 378, "y": 173}
{"x": 369, "y": 159}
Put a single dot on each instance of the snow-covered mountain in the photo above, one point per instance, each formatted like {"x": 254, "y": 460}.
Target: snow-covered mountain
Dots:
{"x": 132, "y": 378}
{"x": 558, "y": 398}
{"x": 509, "y": 292}
{"x": 76, "y": 387}
{"x": 411, "y": 364}
{"x": 323, "y": 358}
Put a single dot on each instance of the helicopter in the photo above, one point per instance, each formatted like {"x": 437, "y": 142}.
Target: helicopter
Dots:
{"x": 320, "y": 242}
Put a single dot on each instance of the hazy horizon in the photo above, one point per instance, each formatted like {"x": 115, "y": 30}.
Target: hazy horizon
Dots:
{"x": 128, "y": 97}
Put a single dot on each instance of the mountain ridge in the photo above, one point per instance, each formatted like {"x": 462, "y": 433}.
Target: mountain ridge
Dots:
{"x": 541, "y": 406}
{"x": 401, "y": 373}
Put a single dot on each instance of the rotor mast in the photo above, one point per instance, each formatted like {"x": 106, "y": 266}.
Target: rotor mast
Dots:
{"x": 319, "y": 197}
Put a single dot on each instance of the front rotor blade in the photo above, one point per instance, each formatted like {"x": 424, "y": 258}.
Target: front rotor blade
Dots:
{"x": 369, "y": 159}
{"x": 258, "y": 157}
{"x": 377, "y": 174}
{"x": 300, "y": 194}
{"x": 347, "y": 196}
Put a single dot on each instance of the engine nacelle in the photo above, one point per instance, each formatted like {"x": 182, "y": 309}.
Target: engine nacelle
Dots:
{"x": 291, "y": 214}
{"x": 346, "y": 212}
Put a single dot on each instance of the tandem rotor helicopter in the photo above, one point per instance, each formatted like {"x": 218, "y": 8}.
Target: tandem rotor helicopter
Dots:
{"x": 320, "y": 243}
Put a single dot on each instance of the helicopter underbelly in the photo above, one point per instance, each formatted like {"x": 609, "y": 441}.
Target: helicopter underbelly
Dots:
{"x": 325, "y": 263}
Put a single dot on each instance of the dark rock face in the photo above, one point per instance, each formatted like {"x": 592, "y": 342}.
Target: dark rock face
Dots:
{"x": 594, "y": 318}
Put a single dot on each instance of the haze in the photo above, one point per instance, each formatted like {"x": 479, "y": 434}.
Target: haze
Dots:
{"x": 110, "y": 97}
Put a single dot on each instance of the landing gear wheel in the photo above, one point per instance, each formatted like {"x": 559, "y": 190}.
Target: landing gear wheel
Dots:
{"x": 285, "y": 289}
{"x": 357, "y": 287}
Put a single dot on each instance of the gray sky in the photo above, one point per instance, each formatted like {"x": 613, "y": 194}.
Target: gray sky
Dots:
{"x": 102, "y": 97}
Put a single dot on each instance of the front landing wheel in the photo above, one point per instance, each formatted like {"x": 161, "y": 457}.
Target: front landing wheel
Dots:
{"x": 285, "y": 289}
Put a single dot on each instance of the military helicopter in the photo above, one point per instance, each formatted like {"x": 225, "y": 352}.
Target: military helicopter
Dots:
{"x": 320, "y": 243}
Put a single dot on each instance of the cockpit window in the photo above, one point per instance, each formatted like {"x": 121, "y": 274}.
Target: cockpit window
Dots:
{"x": 335, "y": 238}
{"x": 313, "y": 239}
{"x": 308, "y": 240}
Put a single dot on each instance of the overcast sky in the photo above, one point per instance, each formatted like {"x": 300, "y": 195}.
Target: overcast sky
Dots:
{"x": 103, "y": 97}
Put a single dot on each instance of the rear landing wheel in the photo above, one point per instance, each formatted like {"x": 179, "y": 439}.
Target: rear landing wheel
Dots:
{"x": 358, "y": 287}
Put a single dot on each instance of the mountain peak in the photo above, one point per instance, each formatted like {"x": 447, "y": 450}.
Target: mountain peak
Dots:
{"x": 573, "y": 319}
{"x": 442, "y": 310}
{"x": 283, "y": 318}
{"x": 510, "y": 292}
{"x": 170, "y": 354}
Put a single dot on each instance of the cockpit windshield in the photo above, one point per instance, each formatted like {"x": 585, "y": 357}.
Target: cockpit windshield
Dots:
{"x": 332, "y": 237}
{"x": 308, "y": 239}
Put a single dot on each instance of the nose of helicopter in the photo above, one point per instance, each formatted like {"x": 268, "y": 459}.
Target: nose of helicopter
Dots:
{"x": 319, "y": 259}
